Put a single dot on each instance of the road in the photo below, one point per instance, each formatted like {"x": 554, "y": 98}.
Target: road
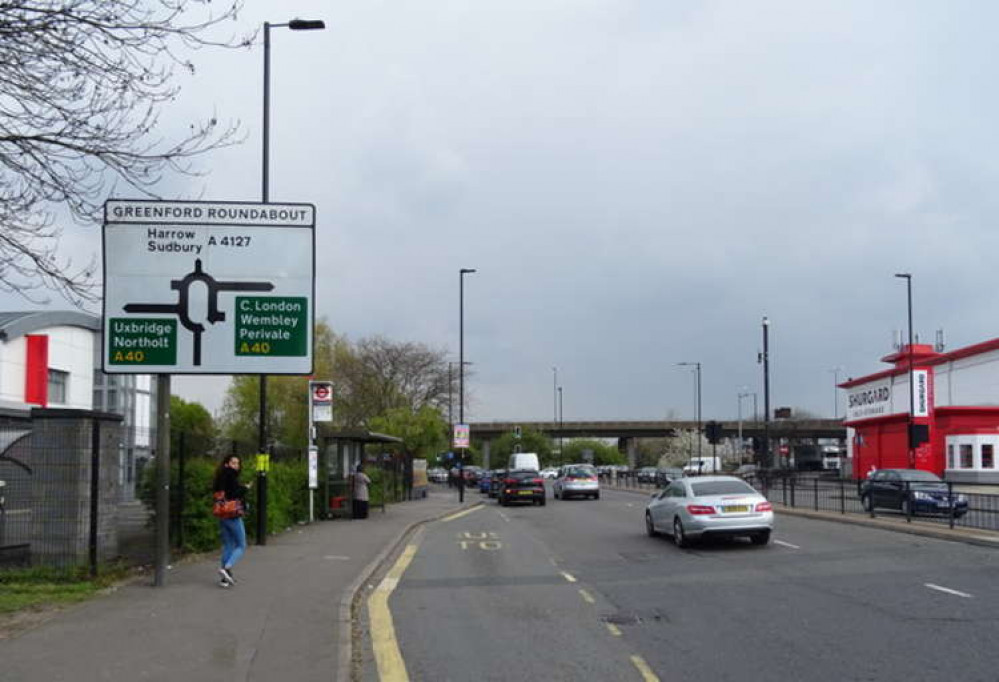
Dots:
{"x": 576, "y": 591}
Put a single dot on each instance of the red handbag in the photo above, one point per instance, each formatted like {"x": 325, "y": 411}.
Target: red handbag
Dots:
{"x": 226, "y": 509}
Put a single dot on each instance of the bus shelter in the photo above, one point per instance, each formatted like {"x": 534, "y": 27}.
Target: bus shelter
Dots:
{"x": 342, "y": 452}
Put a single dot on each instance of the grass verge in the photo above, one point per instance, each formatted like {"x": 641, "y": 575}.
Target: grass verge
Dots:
{"x": 33, "y": 588}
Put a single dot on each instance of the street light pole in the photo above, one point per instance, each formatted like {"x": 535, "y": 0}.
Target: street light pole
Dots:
{"x": 697, "y": 365}
{"x": 294, "y": 25}
{"x": 561, "y": 425}
{"x": 461, "y": 374}
{"x": 912, "y": 389}
{"x": 765, "y": 359}
{"x": 835, "y": 372}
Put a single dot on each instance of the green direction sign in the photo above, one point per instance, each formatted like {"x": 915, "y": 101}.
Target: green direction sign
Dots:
{"x": 142, "y": 341}
{"x": 272, "y": 326}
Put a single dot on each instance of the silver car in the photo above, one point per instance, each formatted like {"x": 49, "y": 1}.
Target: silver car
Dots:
{"x": 692, "y": 508}
{"x": 576, "y": 480}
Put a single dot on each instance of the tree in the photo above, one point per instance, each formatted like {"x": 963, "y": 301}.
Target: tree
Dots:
{"x": 195, "y": 423}
{"x": 530, "y": 440}
{"x": 602, "y": 452}
{"x": 423, "y": 433}
{"x": 83, "y": 85}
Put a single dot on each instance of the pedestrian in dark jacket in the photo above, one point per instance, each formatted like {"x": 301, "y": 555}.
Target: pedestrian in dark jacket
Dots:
{"x": 232, "y": 531}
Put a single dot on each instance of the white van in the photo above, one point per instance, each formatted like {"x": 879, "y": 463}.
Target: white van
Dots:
{"x": 523, "y": 461}
{"x": 702, "y": 465}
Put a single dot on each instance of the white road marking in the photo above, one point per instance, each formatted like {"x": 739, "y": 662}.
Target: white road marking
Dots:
{"x": 947, "y": 590}
{"x": 569, "y": 577}
{"x": 587, "y": 597}
{"x": 990, "y": 538}
{"x": 630, "y": 504}
{"x": 614, "y": 630}
{"x": 505, "y": 517}
{"x": 336, "y": 557}
{"x": 644, "y": 669}
{"x": 786, "y": 544}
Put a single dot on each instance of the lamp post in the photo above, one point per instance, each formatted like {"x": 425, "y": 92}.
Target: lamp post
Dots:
{"x": 561, "y": 426}
{"x": 294, "y": 25}
{"x": 461, "y": 374}
{"x": 697, "y": 365}
{"x": 554, "y": 403}
{"x": 744, "y": 394}
{"x": 765, "y": 359}
{"x": 835, "y": 372}
{"x": 912, "y": 389}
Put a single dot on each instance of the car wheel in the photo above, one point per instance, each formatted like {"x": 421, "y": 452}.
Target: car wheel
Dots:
{"x": 867, "y": 503}
{"x": 541, "y": 502}
{"x": 760, "y": 538}
{"x": 596, "y": 496}
{"x": 502, "y": 501}
{"x": 679, "y": 538}
{"x": 650, "y": 528}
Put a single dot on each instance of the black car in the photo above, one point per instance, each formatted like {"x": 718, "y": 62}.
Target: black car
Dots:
{"x": 667, "y": 475}
{"x": 522, "y": 486}
{"x": 646, "y": 475}
{"x": 912, "y": 491}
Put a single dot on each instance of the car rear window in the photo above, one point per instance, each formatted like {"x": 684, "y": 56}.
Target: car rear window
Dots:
{"x": 522, "y": 475}
{"x": 706, "y": 488}
{"x": 580, "y": 471}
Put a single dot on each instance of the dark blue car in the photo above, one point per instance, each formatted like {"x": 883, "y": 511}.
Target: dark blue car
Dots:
{"x": 911, "y": 491}
{"x": 485, "y": 481}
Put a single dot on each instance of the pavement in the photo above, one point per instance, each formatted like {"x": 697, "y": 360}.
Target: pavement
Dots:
{"x": 289, "y": 616}
{"x": 894, "y": 522}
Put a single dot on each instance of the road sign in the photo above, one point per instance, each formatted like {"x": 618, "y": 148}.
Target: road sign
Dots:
{"x": 208, "y": 287}
{"x": 461, "y": 436}
{"x": 321, "y": 397}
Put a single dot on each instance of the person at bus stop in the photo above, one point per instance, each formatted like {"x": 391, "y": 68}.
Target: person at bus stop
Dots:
{"x": 361, "y": 483}
{"x": 226, "y": 483}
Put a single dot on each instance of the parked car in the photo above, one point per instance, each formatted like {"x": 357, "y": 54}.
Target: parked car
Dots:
{"x": 437, "y": 475}
{"x": 698, "y": 466}
{"x": 471, "y": 475}
{"x": 576, "y": 480}
{"x": 911, "y": 491}
{"x": 667, "y": 475}
{"x": 522, "y": 486}
{"x": 496, "y": 481}
{"x": 646, "y": 475}
{"x": 747, "y": 472}
{"x": 694, "y": 508}
{"x": 549, "y": 473}
{"x": 485, "y": 481}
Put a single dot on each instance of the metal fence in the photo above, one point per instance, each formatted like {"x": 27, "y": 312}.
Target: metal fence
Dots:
{"x": 955, "y": 508}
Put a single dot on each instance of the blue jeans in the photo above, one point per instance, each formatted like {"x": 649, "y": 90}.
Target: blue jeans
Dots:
{"x": 233, "y": 541}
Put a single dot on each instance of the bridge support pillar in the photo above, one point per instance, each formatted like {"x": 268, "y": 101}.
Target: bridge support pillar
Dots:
{"x": 629, "y": 446}
{"x": 485, "y": 454}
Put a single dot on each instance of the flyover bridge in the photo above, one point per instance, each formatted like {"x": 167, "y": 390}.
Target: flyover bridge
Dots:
{"x": 628, "y": 432}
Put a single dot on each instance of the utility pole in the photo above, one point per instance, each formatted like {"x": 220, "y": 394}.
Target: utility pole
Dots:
{"x": 765, "y": 359}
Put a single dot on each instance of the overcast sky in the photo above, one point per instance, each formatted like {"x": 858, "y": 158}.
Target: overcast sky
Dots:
{"x": 638, "y": 183}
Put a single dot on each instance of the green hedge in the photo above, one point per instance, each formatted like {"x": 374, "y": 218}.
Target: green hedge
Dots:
{"x": 287, "y": 500}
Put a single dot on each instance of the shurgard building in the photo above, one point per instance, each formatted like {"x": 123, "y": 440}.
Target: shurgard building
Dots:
{"x": 955, "y": 409}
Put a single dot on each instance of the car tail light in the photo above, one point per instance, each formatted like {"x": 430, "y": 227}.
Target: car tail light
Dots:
{"x": 699, "y": 509}
{"x": 510, "y": 481}
{"x": 538, "y": 481}
{"x": 764, "y": 506}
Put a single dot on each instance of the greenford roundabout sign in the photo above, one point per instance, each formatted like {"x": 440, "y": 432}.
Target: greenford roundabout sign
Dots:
{"x": 208, "y": 287}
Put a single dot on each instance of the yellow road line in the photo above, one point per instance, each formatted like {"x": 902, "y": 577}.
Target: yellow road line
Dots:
{"x": 614, "y": 630}
{"x": 587, "y": 597}
{"x": 458, "y": 515}
{"x": 644, "y": 669}
{"x": 568, "y": 576}
{"x": 391, "y": 667}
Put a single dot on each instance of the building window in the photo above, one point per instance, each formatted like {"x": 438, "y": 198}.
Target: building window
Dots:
{"x": 58, "y": 386}
{"x": 967, "y": 456}
{"x": 950, "y": 456}
{"x": 988, "y": 457}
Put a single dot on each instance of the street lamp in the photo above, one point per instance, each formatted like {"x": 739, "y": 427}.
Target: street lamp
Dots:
{"x": 294, "y": 25}
{"x": 461, "y": 374}
{"x": 698, "y": 366}
{"x": 765, "y": 359}
{"x": 835, "y": 372}
{"x": 912, "y": 389}
{"x": 561, "y": 426}
{"x": 745, "y": 394}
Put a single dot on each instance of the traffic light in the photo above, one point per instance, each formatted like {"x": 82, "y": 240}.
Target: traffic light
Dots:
{"x": 713, "y": 431}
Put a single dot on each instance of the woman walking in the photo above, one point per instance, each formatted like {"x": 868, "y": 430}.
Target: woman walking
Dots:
{"x": 229, "y": 496}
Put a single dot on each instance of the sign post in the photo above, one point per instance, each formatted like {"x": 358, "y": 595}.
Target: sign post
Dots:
{"x": 320, "y": 410}
{"x": 195, "y": 287}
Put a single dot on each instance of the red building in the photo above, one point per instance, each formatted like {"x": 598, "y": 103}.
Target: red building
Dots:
{"x": 956, "y": 399}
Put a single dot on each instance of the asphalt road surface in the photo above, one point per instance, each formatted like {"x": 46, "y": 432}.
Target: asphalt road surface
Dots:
{"x": 575, "y": 590}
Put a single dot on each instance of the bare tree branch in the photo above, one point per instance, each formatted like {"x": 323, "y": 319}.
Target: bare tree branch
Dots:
{"x": 82, "y": 83}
